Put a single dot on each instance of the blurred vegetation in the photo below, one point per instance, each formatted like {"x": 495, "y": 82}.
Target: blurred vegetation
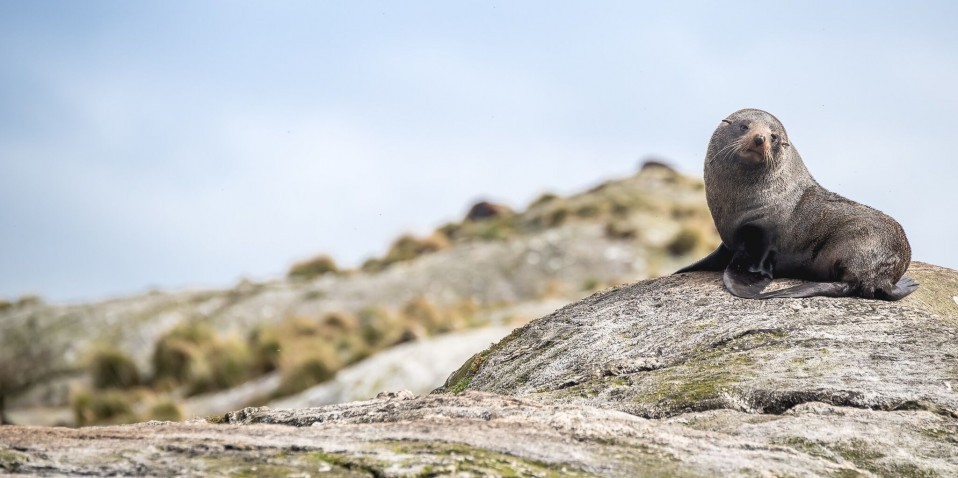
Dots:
{"x": 614, "y": 204}
{"x": 114, "y": 406}
{"x": 590, "y": 284}
{"x": 193, "y": 355}
{"x": 29, "y": 300}
{"x": 378, "y": 327}
{"x": 306, "y": 352}
{"x": 544, "y": 198}
{"x": 111, "y": 368}
{"x": 686, "y": 241}
{"x": 620, "y": 229}
{"x": 31, "y": 352}
{"x": 484, "y": 221}
{"x": 406, "y": 248}
{"x": 311, "y": 370}
{"x": 103, "y": 407}
{"x": 165, "y": 409}
{"x": 307, "y": 349}
{"x": 314, "y": 267}
{"x": 191, "y": 358}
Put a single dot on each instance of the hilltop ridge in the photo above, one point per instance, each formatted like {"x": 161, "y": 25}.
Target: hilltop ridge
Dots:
{"x": 146, "y": 356}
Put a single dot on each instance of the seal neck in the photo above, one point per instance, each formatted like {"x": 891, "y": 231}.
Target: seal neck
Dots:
{"x": 740, "y": 193}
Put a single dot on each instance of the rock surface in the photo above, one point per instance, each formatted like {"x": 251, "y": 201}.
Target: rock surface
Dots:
{"x": 677, "y": 344}
{"x": 666, "y": 377}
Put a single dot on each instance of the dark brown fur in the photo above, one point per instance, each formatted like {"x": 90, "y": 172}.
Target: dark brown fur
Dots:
{"x": 754, "y": 177}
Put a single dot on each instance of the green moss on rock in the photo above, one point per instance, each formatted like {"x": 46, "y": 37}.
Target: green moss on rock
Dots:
{"x": 11, "y": 461}
{"x": 869, "y": 458}
{"x": 446, "y": 459}
{"x": 277, "y": 464}
{"x": 462, "y": 377}
{"x": 937, "y": 291}
{"x": 809, "y": 447}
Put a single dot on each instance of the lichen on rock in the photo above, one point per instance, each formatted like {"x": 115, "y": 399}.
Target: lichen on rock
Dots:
{"x": 713, "y": 350}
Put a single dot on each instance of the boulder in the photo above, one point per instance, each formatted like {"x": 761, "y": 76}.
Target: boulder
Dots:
{"x": 665, "y": 377}
{"x": 680, "y": 344}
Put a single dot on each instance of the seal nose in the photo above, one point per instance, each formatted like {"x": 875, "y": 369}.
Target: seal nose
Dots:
{"x": 759, "y": 140}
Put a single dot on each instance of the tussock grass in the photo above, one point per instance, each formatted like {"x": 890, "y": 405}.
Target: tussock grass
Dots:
{"x": 111, "y": 368}
{"x": 313, "y": 267}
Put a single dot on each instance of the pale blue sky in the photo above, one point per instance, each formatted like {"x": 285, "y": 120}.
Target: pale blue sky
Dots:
{"x": 175, "y": 144}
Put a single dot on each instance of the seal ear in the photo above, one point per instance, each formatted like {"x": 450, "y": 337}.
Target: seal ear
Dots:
{"x": 727, "y": 121}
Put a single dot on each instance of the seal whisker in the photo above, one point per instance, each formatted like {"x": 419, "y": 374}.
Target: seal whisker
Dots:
{"x": 726, "y": 152}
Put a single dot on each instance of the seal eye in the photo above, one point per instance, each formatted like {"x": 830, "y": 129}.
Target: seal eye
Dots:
{"x": 774, "y": 138}
{"x": 743, "y": 127}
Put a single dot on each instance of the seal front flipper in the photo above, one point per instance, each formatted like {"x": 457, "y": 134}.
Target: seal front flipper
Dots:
{"x": 745, "y": 277}
{"x": 718, "y": 260}
{"x": 750, "y": 269}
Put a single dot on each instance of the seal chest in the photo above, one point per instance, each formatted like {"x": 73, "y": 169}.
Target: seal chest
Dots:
{"x": 775, "y": 220}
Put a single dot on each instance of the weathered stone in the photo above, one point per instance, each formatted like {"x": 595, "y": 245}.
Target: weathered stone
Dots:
{"x": 666, "y": 377}
{"x": 681, "y": 343}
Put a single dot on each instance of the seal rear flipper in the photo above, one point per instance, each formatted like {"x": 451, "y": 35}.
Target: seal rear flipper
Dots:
{"x": 718, "y": 260}
{"x": 905, "y": 286}
{"x": 812, "y": 289}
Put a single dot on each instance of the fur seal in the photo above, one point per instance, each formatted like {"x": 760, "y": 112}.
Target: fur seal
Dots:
{"x": 775, "y": 220}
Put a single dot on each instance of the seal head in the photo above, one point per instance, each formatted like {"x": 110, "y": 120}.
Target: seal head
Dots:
{"x": 751, "y": 136}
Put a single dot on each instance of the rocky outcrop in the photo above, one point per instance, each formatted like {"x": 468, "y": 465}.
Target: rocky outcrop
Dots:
{"x": 666, "y": 377}
{"x": 682, "y": 344}
{"x": 474, "y": 434}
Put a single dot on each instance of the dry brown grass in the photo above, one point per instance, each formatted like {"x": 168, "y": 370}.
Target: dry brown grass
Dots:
{"x": 192, "y": 355}
{"x": 313, "y": 267}
{"x": 111, "y": 368}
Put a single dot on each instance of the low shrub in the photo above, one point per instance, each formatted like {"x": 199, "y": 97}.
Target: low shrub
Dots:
{"x": 620, "y": 229}
{"x": 421, "y": 311}
{"x": 226, "y": 364}
{"x": 378, "y": 327}
{"x": 319, "y": 367}
{"x": 178, "y": 353}
{"x": 192, "y": 355}
{"x": 103, "y": 407}
{"x": 111, "y": 368}
{"x": 167, "y": 410}
{"x": 372, "y": 265}
{"x": 410, "y": 247}
{"x": 543, "y": 198}
{"x": 314, "y": 267}
{"x": 265, "y": 348}
{"x": 684, "y": 242}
